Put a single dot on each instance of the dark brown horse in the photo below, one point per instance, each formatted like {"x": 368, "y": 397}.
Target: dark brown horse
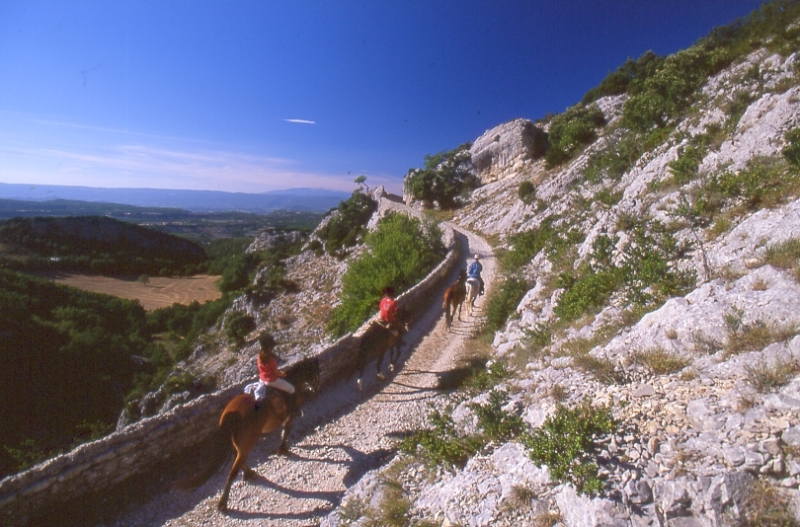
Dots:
{"x": 243, "y": 422}
{"x": 377, "y": 340}
{"x": 454, "y": 298}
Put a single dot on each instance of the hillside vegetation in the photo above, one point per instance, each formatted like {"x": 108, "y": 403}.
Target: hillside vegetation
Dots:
{"x": 95, "y": 244}
{"x": 75, "y": 363}
{"x": 645, "y": 329}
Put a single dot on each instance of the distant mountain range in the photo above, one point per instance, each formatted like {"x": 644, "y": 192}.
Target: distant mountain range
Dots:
{"x": 297, "y": 199}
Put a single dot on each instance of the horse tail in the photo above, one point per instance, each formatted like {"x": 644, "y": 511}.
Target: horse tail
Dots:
{"x": 220, "y": 451}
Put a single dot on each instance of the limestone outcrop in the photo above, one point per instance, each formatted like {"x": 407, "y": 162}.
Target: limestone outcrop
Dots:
{"x": 507, "y": 149}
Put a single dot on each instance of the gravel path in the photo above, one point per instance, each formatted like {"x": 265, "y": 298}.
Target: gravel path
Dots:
{"x": 342, "y": 434}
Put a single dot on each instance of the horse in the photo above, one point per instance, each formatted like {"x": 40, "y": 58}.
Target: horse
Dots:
{"x": 243, "y": 422}
{"x": 454, "y": 298}
{"x": 378, "y": 339}
{"x": 473, "y": 288}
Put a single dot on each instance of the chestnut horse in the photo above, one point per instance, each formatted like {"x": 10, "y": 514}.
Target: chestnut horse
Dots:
{"x": 243, "y": 422}
{"x": 454, "y": 298}
{"x": 377, "y": 340}
{"x": 473, "y": 288}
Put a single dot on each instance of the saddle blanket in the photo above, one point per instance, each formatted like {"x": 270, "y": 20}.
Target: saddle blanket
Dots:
{"x": 257, "y": 389}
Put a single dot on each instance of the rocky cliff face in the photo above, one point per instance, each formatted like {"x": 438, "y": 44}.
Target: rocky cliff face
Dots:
{"x": 701, "y": 380}
{"x": 507, "y": 149}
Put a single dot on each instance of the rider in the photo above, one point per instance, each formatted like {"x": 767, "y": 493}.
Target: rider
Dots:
{"x": 388, "y": 311}
{"x": 269, "y": 375}
{"x": 474, "y": 271}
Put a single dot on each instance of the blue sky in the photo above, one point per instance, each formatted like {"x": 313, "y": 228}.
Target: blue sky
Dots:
{"x": 265, "y": 95}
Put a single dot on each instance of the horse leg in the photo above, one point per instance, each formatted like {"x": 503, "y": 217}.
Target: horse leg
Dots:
{"x": 282, "y": 448}
{"x": 222, "y": 505}
{"x": 362, "y": 361}
{"x": 248, "y": 473}
{"x": 379, "y": 363}
{"x": 243, "y": 443}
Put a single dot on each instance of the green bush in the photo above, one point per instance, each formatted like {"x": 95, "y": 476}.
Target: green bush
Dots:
{"x": 646, "y": 276}
{"x": 442, "y": 444}
{"x": 791, "y": 152}
{"x": 503, "y": 302}
{"x": 497, "y": 424}
{"x": 345, "y": 227}
{"x": 238, "y": 325}
{"x": 626, "y": 78}
{"x": 571, "y": 131}
{"x": 399, "y": 254}
{"x": 445, "y": 445}
{"x": 684, "y": 169}
{"x": 566, "y": 444}
{"x": 590, "y": 290}
{"x": 527, "y": 192}
{"x": 672, "y": 86}
{"x": 446, "y": 179}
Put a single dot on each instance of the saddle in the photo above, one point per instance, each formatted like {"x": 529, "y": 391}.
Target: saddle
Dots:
{"x": 388, "y": 326}
{"x": 271, "y": 394}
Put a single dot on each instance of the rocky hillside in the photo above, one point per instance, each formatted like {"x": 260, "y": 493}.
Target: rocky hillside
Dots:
{"x": 649, "y": 372}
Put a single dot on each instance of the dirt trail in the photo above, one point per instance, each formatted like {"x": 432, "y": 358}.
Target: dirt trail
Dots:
{"x": 341, "y": 436}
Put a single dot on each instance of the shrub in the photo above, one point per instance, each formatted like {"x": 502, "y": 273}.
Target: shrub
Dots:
{"x": 399, "y": 254}
{"x": 527, "y": 192}
{"x": 785, "y": 255}
{"x": 496, "y": 423}
{"x": 645, "y": 277}
{"x": 659, "y": 362}
{"x": 238, "y": 325}
{"x": 684, "y": 169}
{"x": 566, "y": 444}
{"x": 764, "y": 505}
{"x": 503, "y": 302}
{"x": 591, "y": 290}
{"x": 625, "y": 78}
{"x": 345, "y": 227}
{"x": 765, "y": 378}
{"x": 446, "y": 178}
{"x": 445, "y": 445}
{"x": 791, "y": 152}
{"x": 572, "y": 130}
{"x": 442, "y": 445}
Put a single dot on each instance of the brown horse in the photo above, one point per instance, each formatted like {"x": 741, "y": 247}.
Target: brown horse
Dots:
{"x": 243, "y": 422}
{"x": 377, "y": 340}
{"x": 454, "y": 298}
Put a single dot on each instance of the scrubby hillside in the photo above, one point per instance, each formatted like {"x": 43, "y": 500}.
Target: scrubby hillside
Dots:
{"x": 647, "y": 326}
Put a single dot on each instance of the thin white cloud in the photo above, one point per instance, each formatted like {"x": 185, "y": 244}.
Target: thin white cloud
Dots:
{"x": 299, "y": 121}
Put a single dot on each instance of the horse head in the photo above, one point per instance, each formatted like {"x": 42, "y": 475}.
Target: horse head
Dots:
{"x": 305, "y": 375}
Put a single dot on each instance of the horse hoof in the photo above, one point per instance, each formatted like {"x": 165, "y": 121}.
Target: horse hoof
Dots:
{"x": 283, "y": 451}
{"x": 222, "y": 507}
{"x": 358, "y": 384}
{"x": 391, "y": 368}
{"x": 382, "y": 376}
{"x": 248, "y": 474}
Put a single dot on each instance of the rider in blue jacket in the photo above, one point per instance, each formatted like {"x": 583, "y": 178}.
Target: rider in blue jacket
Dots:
{"x": 474, "y": 271}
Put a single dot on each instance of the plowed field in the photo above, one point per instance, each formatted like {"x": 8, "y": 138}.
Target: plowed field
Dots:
{"x": 158, "y": 292}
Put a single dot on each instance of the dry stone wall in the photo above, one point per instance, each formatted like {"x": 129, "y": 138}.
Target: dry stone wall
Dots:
{"x": 144, "y": 447}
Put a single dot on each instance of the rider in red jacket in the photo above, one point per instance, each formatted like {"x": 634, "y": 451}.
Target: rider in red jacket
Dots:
{"x": 388, "y": 311}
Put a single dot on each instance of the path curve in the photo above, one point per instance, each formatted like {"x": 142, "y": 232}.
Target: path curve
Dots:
{"x": 341, "y": 436}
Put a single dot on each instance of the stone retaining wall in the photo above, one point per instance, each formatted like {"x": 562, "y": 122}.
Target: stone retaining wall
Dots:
{"x": 108, "y": 463}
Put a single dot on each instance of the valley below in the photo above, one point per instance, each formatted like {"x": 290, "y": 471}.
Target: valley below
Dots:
{"x": 156, "y": 292}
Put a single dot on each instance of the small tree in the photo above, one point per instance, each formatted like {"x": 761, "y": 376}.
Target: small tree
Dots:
{"x": 361, "y": 182}
{"x": 446, "y": 179}
{"x": 143, "y": 279}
